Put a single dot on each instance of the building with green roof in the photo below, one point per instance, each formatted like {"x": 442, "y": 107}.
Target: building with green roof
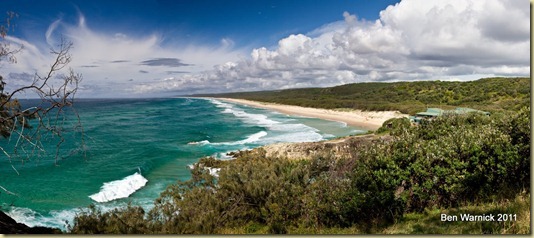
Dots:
{"x": 436, "y": 112}
{"x": 431, "y": 112}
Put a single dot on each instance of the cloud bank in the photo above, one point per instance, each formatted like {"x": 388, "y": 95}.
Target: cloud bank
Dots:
{"x": 113, "y": 63}
{"x": 412, "y": 40}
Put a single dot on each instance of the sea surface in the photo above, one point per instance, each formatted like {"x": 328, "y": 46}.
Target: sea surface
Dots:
{"x": 133, "y": 149}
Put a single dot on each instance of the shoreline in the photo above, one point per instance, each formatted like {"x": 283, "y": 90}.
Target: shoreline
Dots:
{"x": 370, "y": 120}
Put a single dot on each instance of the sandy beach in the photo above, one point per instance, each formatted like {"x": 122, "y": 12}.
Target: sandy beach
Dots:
{"x": 366, "y": 119}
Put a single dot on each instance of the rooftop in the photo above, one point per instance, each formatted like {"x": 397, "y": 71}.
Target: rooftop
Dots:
{"x": 435, "y": 112}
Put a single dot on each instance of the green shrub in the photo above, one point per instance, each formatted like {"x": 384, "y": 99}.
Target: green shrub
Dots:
{"x": 128, "y": 220}
{"x": 394, "y": 126}
{"x": 444, "y": 163}
{"x": 455, "y": 159}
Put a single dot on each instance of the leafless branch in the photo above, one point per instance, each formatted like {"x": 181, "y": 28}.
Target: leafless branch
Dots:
{"x": 50, "y": 117}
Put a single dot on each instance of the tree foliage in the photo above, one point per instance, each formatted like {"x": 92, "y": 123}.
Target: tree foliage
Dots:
{"x": 445, "y": 163}
{"x": 490, "y": 94}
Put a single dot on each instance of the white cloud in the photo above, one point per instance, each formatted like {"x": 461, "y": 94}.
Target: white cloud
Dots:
{"x": 30, "y": 58}
{"x": 412, "y": 40}
{"x": 109, "y": 61}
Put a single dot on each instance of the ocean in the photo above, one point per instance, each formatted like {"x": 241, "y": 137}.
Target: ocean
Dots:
{"x": 134, "y": 148}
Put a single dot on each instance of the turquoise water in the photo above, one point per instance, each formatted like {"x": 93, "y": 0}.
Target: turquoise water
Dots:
{"x": 138, "y": 147}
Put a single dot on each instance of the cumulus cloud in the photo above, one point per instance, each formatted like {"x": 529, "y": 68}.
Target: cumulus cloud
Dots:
{"x": 412, "y": 40}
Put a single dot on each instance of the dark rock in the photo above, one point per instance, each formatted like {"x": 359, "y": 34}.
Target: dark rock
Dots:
{"x": 10, "y": 226}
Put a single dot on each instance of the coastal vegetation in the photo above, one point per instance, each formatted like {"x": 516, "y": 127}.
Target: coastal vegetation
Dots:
{"x": 399, "y": 182}
{"x": 487, "y": 94}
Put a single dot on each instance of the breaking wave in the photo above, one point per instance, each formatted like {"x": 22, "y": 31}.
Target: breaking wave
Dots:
{"x": 204, "y": 142}
{"x": 250, "y": 139}
{"x": 120, "y": 188}
{"x": 56, "y": 219}
{"x": 279, "y": 131}
{"x": 251, "y": 118}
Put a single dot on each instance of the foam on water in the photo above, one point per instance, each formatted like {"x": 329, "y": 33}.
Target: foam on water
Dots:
{"x": 287, "y": 130}
{"x": 251, "y": 118}
{"x": 224, "y": 155}
{"x": 56, "y": 219}
{"x": 250, "y": 139}
{"x": 120, "y": 188}
{"x": 213, "y": 171}
{"x": 260, "y": 127}
{"x": 204, "y": 142}
{"x": 61, "y": 219}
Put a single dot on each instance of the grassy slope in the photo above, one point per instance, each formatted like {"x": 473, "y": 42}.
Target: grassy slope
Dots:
{"x": 491, "y": 94}
{"x": 428, "y": 222}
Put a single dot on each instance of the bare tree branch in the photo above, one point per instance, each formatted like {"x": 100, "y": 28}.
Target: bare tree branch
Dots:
{"x": 51, "y": 118}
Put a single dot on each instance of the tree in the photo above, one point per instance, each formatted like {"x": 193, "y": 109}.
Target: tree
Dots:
{"x": 26, "y": 126}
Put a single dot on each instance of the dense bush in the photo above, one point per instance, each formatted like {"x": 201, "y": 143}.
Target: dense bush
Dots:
{"x": 394, "y": 126}
{"x": 490, "y": 94}
{"x": 442, "y": 163}
{"x": 456, "y": 159}
{"x": 128, "y": 220}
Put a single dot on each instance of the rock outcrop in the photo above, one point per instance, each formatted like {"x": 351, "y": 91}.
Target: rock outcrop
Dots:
{"x": 341, "y": 147}
{"x": 9, "y": 226}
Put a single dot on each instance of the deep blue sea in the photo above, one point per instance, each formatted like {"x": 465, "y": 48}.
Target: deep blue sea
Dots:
{"x": 134, "y": 148}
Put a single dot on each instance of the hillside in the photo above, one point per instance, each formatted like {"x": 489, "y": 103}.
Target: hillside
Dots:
{"x": 489, "y": 94}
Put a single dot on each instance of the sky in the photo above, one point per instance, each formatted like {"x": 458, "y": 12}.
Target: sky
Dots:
{"x": 162, "y": 48}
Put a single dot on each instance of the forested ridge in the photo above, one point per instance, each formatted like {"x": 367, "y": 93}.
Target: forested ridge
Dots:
{"x": 490, "y": 94}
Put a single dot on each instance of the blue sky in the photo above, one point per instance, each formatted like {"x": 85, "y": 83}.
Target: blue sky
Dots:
{"x": 247, "y": 23}
{"x": 147, "y": 48}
